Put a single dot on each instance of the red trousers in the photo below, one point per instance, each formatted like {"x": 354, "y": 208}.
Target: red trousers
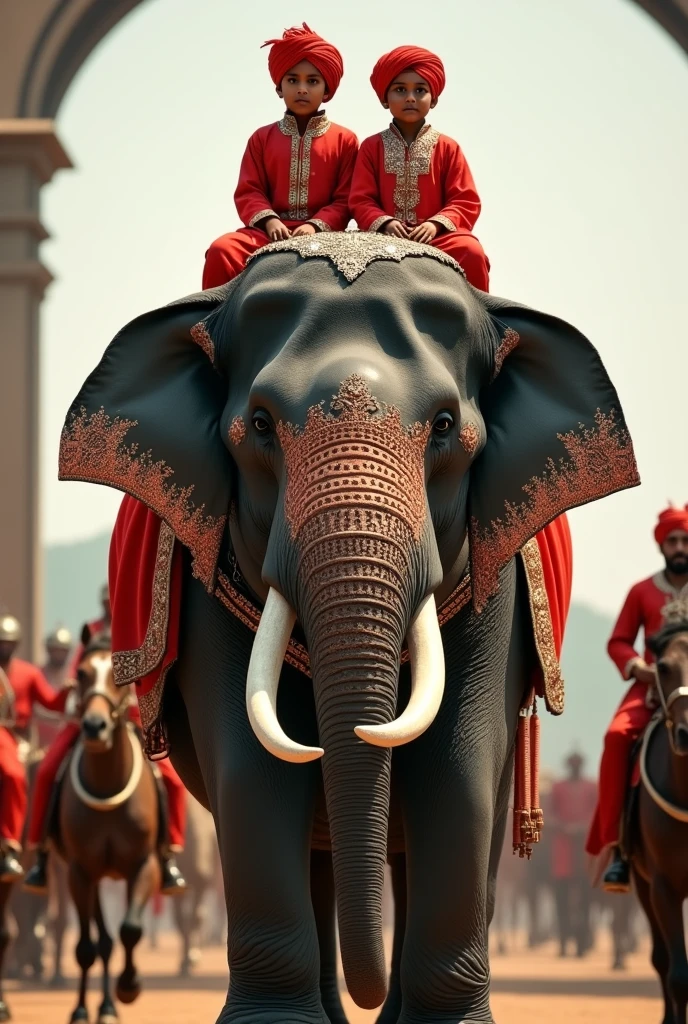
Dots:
{"x": 227, "y": 255}
{"x": 13, "y": 796}
{"x": 630, "y": 720}
{"x": 49, "y": 767}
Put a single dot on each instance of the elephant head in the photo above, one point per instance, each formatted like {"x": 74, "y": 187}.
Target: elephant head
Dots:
{"x": 354, "y": 418}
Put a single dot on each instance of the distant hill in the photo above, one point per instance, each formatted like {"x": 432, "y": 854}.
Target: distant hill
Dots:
{"x": 75, "y": 572}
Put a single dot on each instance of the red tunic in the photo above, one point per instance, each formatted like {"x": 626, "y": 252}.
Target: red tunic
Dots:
{"x": 428, "y": 180}
{"x": 642, "y": 610}
{"x": 572, "y": 806}
{"x": 298, "y": 177}
{"x": 31, "y": 687}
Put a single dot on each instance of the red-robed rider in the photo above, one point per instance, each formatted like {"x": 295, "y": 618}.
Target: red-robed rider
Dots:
{"x": 37, "y": 878}
{"x": 22, "y": 685}
{"x": 642, "y": 609}
{"x": 410, "y": 181}
{"x": 296, "y": 173}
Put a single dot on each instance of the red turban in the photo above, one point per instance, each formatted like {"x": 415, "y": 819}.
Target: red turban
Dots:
{"x": 299, "y": 44}
{"x": 671, "y": 519}
{"x": 408, "y": 58}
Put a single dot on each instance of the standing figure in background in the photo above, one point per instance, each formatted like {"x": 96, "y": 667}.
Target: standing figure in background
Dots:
{"x": 411, "y": 181}
{"x": 642, "y": 609}
{"x": 58, "y": 644}
{"x": 573, "y": 802}
{"x": 22, "y": 685}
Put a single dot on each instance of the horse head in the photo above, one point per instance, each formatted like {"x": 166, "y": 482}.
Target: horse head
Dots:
{"x": 670, "y": 648}
{"x": 100, "y": 702}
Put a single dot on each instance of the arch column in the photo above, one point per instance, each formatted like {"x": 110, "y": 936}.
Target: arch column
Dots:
{"x": 30, "y": 153}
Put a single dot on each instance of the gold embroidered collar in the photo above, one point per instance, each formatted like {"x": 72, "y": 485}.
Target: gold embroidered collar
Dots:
{"x": 409, "y": 145}
{"x": 352, "y": 252}
{"x": 662, "y": 583}
{"x": 317, "y": 125}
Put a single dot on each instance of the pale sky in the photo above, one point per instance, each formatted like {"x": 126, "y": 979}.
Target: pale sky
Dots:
{"x": 574, "y": 118}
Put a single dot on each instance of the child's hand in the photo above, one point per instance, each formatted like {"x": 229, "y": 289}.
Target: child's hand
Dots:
{"x": 276, "y": 230}
{"x": 303, "y": 229}
{"x": 395, "y": 228}
{"x": 424, "y": 232}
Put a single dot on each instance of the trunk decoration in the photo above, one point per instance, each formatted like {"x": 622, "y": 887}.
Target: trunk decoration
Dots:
{"x": 356, "y": 508}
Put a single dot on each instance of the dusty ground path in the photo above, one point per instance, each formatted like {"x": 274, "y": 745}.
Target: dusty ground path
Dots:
{"x": 533, "y": 988}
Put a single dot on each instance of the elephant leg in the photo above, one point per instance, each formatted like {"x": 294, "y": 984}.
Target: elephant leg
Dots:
{"x": 324, "y": 908}
{"x": 452, "y": 783}
{"x": 263, "y": 810}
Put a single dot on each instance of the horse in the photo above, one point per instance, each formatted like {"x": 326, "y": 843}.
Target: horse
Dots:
{"x": 658, "y": 837}
{"x": 107, "y": 823}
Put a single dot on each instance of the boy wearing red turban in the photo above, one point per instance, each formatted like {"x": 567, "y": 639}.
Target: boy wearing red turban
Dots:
{"x": 410, "y": 181}
{"x": 644, "y": 608}
{"x": 296, "y": 174}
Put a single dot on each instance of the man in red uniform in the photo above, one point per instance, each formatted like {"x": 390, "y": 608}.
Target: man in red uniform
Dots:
{"x": 21, "y": 686}
{"x": 572, "y": 805}
{"x": 642, "y": 609}
{"x": 173, "y": 881}
{"x": 410, "y": 181}
{"x": 58, "y": 644}
{"x": 296, "y": 174}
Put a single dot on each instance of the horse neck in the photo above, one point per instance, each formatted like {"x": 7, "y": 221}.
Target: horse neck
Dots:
{"x": 677, "y": 776}
{"x": 107, "y": 773}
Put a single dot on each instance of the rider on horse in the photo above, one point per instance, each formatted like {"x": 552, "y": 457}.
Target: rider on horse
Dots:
{"x": 643, "y": 608}
{"x": 37, "y": 879}
{"x": 22, "y": 685}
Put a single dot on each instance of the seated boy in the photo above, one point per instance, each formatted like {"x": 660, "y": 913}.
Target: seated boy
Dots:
{"x": 296, "y": 174}
{"x": 410, "y": 181}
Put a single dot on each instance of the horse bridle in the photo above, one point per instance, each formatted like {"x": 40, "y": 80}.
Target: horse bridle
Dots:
{"x": 675, "y": 812}
{"x": 117, "y": 707}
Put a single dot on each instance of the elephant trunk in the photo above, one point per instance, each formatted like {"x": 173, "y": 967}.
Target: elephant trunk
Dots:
{"x": 357, "y": 596}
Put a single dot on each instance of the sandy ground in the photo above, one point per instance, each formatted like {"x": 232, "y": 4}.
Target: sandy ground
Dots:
{"x": 528, "y": 988}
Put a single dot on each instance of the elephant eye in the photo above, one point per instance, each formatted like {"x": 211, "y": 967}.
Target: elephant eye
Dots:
{"x": 261, "y": 424}
{"x": 444, "y": 421}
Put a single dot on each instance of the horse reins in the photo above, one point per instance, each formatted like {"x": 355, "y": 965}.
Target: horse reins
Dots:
{"x": 677, "y": 813}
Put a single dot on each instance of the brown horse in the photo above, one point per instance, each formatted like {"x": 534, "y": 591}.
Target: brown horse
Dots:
{"x": 108, "y": 823}
{"x": 659, "y": 837}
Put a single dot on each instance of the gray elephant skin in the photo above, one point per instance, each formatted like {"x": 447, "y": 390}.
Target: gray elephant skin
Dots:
{"x": 347, "y": 439}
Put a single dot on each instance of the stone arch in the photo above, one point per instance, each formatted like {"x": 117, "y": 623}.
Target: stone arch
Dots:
{"x": 49, "y": 40}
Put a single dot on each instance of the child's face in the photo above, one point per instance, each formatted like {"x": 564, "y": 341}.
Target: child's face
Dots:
{"x": 409, "y": 98}
{"x": 303, "y": 89}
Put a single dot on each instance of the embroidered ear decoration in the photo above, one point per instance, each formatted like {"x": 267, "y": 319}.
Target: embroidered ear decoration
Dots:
{"x": 510, "y": 340}
{"x": 201, "y": 335}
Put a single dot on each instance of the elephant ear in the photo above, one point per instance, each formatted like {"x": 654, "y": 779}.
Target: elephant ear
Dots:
{"x": 147, "y": 422}
{"x": 556, "y": 437}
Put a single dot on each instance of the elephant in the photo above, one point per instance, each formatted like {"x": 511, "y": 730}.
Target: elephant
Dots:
{"x": 344, "y": 441}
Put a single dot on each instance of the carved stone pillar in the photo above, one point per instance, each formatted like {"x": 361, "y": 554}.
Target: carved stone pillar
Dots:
{"x": 30, "y": 153}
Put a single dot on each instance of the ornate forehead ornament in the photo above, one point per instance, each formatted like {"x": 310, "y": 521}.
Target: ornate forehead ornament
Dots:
{"x": 353, "y": 251}
{"x": 357, "y": 458}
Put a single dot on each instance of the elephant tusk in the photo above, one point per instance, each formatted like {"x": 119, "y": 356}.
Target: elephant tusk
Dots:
{"x": 262, "y": 681}
{"x": 427, "y": 684}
